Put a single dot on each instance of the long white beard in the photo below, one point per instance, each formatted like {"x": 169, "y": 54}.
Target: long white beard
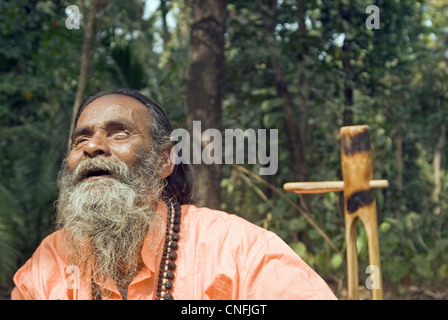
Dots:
{"x": 107, "y": 219}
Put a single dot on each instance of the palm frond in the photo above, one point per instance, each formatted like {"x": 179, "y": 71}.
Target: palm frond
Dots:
{"x": 8, "y": 253}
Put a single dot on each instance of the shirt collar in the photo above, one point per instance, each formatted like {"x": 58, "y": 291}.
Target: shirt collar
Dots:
{"x": 153, "y": 244}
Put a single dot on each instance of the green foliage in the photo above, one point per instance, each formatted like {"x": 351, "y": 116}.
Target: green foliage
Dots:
{"x": 8, "y": 249}
{"x": 36, "y": 84}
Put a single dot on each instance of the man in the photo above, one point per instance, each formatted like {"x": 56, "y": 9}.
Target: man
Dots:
{"x": 127, "y": 228}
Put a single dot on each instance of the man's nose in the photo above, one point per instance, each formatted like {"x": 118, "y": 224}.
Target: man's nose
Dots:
{"x": 97, "y": 146}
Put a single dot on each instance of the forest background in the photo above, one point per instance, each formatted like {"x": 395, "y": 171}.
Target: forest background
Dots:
{"x": 305, "y": 68}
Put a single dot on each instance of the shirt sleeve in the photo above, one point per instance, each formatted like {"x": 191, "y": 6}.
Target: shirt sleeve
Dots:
{"x": 42, "y": 276}
{"x": 277, "y": 272}
{"x": 23, "y": 289}
{"x": 25, "y": 281}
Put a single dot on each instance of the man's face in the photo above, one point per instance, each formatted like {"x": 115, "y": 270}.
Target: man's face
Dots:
{"x": 112, "y": 126}
{"x": 110, "y": 185}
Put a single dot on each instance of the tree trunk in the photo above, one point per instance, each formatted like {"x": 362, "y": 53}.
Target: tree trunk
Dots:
{"x": 164, "y": 9}
{"x": 437, "y": 166}
{"x": 296, "y": 140}
{"x": 204, "y": 87}
{"x": 399, "y": 164}
{"x": 95, "y": 6}
{"x": 302, "y": 77}
{"x": 347, "y": 116}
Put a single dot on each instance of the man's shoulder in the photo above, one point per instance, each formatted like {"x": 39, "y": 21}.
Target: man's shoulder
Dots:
{"x": 41, "y": 269}
{"x": 53, "y": 242}
{"x": 50, "y": 251}
{"x": 219, "y": 223}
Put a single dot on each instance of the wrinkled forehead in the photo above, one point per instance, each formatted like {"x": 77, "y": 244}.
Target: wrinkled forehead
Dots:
{"x": 115, "y": 107}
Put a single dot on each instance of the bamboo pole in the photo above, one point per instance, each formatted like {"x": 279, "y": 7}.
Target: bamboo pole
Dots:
{"x": 359, "y": 202}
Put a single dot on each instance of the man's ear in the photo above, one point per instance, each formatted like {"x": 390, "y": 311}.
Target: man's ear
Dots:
{"x": 167, "y": 165}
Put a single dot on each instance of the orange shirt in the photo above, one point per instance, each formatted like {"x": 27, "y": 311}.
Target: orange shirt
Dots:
{"x": 220, "y": 256}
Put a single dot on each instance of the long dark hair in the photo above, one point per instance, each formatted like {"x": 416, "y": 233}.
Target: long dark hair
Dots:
{"x": 180, "y": 182}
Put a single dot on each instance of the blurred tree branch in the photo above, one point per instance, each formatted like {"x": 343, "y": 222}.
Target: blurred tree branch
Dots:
{"x": 86, "y": 56}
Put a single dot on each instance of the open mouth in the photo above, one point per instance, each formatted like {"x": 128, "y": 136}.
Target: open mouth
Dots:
{"x": 97, "y": 173}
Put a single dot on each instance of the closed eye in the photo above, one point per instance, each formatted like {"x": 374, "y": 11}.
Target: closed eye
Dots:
{"x": 120, "y": 135}
{"x": 79, "y": 140}
{"x": 80, "y": 135}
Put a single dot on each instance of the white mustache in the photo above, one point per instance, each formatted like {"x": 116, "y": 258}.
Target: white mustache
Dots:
{"x": 116, "y": 168}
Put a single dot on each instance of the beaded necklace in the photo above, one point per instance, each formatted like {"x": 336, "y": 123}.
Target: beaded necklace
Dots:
{"x": 169, "y": 255}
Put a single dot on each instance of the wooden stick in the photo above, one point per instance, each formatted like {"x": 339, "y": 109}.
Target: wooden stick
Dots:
{"x": 327, "y": 186}
{"x": 359, "y": 202}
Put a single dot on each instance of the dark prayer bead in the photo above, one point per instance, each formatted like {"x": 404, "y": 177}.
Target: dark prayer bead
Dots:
{"x": 170, "y": 275}
{"x": 176, "y": 228}
{"x": 174, "y": 245}
{"x": 172, "y": 255}
{"x": 171, "y": 265}
{"x": 175, "y": 237}
{"x": 168, "y": 285}
{"x": 167, "y": 296}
